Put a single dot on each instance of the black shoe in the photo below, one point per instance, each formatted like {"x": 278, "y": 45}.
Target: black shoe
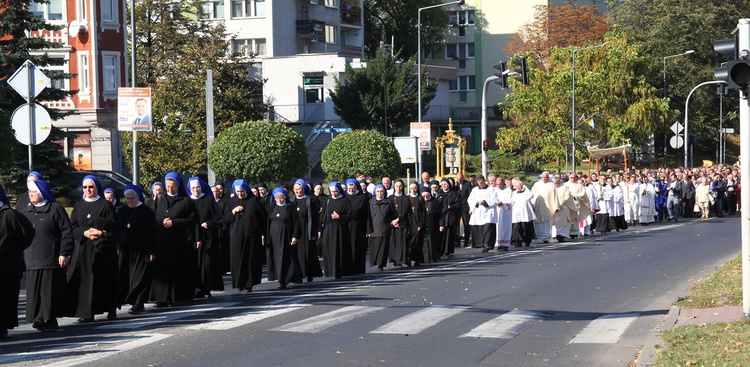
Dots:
{"x": 282, "y": 286}
{"x": 112, "y": 315}
{"x": 380, "y": 268}
{"x": 560, "y": 238}
{"x": 309, "y": 279}
{"x": 137, "y": 309}
{"x": 38, "y": 324}
{"x": 248, "y": 290}
{"x": 545, "y": 241}
{"x": 161, "y": 304}
{"x": 486, "y": 249}
{"x": 3, "y": 334}
{"x": 502, "y": 248}
{"x": 50, "y": 324}
{"x": 84, "y": 320}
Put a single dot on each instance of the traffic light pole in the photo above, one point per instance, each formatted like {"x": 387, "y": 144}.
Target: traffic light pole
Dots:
{"x": 744, "y": 45}
{"x": 484, "y": 124}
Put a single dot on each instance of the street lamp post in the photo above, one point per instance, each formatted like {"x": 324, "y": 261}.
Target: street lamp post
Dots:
{"x": 573, "y": 118}
{"x": 687, "y": 101}
{"x": 664, "y": 60}
{"x": 419, "y": 53}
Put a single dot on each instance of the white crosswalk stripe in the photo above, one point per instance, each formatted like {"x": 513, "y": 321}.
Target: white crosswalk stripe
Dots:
{"x": 247, "y": 318}
{"x": 163, "y": 317}
{"x": 417, "y": 322}
{"x": 505, "y": 326}
{"x": 605, "y": 330}
{"x": 321, "y": 322}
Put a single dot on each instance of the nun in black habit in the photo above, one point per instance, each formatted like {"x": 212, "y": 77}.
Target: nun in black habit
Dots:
{"x": 46, "y": 258}
{"x": 136, "y": 240}
{"x": 22, "y": 200}
{"x": 382, "y": 213}
{"x": 358, "y": 226}
{"x": 246, "y": 216}
{"x": 432, "y": 228}
{"x": 92, "y": 280}
{"x": 399, "y": 245}
{"x": 207, "y": 249}
{"x": 308, "y": 215}
{"x": 335, "y": 238}
{"x": 417, "y": 224}
{"x": 16, "y": 234}
{"x": 174, "y": 262}
{"x": 282, "y": 239}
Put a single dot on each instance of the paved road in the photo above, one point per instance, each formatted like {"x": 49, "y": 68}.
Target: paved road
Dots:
{"x": 592, "y": 302}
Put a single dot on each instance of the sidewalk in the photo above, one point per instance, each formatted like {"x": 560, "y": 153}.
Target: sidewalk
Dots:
{"x": 678, "y": 317}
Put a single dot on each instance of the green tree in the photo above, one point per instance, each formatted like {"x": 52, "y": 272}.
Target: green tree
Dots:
{"x": 17, "y": 44}
{"x": 174, "y": 51}
{"x": 360, "y": 99}
{"x": 671, "y": 27}
{"x": 361, "y": 150}
{"x": 610, "y": 86}
{"x": 398, "y": 19}
{"x": 259, "y": 151}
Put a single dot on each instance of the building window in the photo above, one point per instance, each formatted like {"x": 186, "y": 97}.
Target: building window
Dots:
{"x": 461, "y": 18}
{"x": 248, "y": 8}
{"x": 249, "y": 47}
{"x": 82, "y": 10}
{"x": 331, "y": 3}
{"x": 53, "y": 10}
{"x": 110, "y": 72}
{"x": 109, "y": 11}
{"x": 314, "y": 2}
{"x": 313, "y": 95}
{"x": 331, "y": 33}
{"x": 463, "y": 83}
{"x": 84, "y": 84}
{"x": 213, "y": 10}
{"x": 459, "y": 51}
{"x": 58, "y": 64}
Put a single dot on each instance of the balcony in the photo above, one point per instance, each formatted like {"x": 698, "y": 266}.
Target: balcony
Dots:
{"x": 351, "y": 52}
{"x": 312, "y": 29}
{"x": 351, "y": 16}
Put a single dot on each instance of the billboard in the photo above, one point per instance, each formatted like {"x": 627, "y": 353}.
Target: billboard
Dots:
{"x": 134, "y": 109}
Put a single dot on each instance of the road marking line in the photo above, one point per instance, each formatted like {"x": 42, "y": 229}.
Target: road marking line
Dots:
{"x": 605, "y": 330}
{"x": 321, "y": 322}
{"x": 137, "y": 323}
{"x": 106, "y": 349}
{"x": 505, "y": 326}
{"x": 417, "y": 322}
{"x": 246, "y": 318}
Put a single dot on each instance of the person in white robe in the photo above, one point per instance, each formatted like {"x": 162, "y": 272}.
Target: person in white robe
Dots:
{"x": 617, "y": 208}
{"x": 647, "y": 200}
{"x": 504, "y": 215}
{"x": 546, "y": 204}
{"x": 482, "y": 202}
{"x": 523, "y": 214}
{"x": 581, "y": 201}
{"x": 567, "y": 215}
{"x": 588, "y": 225}
{"x": 605, "y": 205}
{"x": 632, "y": 201}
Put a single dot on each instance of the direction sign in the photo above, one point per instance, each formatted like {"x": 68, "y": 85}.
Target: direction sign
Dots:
{"x": 677, "y": 128}
{"x": 728, "y": 130}
{"x": 21, "y": 124}
{"x": 29, "y": 81}
{"x": 676, "y": 142}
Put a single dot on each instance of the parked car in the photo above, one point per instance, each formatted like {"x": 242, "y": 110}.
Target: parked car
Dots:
{"x": 108, "y": 179}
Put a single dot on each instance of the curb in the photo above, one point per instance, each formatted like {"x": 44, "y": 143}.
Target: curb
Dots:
{"x": 647, "y": 356}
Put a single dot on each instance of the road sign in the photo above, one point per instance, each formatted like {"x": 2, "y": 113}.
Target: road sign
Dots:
{"x": 728, "y": 130}
{"x": 22, "y": 125}
{"x": 676, "y": 142}
{"x": 677, "y": 128}
{"x": 29, "y": 81}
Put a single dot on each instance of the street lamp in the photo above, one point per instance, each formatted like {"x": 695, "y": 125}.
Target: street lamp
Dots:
{"x": 419, "y": 52}
{"x": 665, "y": 94}
{"x": 573, "y": 119}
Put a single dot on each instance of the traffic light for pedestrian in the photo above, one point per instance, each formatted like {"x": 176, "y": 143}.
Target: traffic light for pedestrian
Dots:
{"x": 737, "y": 71}
{"x": 502, "y": 67}
{"x": 522, "y": 71}
{"x": 485, "y": 145}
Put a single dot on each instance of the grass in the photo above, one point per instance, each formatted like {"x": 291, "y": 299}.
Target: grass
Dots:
{"x": 720, "y": 344}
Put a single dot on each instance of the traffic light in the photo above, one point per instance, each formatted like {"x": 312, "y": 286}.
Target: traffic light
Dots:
{"x": 485, "y": 145}
{"x": 522, "y": 71}
{"x": 737, "y": 71}
{"x": 502, "y": 67}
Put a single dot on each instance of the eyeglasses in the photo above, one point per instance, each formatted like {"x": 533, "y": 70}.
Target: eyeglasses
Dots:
{"x": 88, "y": 187}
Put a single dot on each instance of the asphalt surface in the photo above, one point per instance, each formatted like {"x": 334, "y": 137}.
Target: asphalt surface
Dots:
{"x": 591, "y": 302}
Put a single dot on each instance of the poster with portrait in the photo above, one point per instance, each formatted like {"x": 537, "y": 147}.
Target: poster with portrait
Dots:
{"x": 134, "y": 109}
{"x": 422, "y": 131}
{"x": 452, "y": 159}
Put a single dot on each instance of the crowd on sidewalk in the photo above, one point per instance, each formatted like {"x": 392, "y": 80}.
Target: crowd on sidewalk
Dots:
{"x": 178, "y": 244}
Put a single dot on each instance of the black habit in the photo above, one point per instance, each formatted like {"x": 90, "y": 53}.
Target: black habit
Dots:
{"x": 283, "y": 261}
{"x": 136, "y": 239}
{"x": 208, "y": 254}
{"x": 399, "y": 246}
{"x": 16, "y": 234}
{"x": 173, "y": 265}
{"x": 245, "y": 231}
{"x": 308, "y": 209}
{"x": 358, "y": 232}
{"x": 382, "y": 212}
{"x": 335, "y": 238}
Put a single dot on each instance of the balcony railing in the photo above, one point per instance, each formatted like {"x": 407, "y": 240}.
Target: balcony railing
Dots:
{"x": 349, "y": 16}
{"x": 310, "y": 28}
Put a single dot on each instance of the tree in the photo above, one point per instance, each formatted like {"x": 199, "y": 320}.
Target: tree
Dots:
{"x": 259, "y": 151}
{"x": 18, "y": 44}
{"x": 398, "y": 19}
{"x": 610, "y": 86}
{"x": 671, "y": 27}
{"x": 360, "y": 99}
{"x": 557, "y": 26}
{"x": 367, "y": 151}
{"x": 174, "y": 51}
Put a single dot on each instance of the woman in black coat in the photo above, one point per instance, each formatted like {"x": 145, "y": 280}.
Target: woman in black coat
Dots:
{"x": 208, "y": 275}
{"x": 399, "y": 245}
{"x": 246, "y": 216}
{"x": 136, "y": 240}
{"x": 16, "y": 234}
{"x": 173, "y": 268}
{"x": 432, "y": 228}
{"x": 358, "y": 226}
{"x": 417, "y": 224}
{"x": 308, "y": 215}
{"x": 47, "y": 258}
{"x": 450, "y": 202}
{"x": 334, "y": 237}
{"x": 382, "y": 213}
{"x": 283, "y": 235}
{"x": 92, "y": 280}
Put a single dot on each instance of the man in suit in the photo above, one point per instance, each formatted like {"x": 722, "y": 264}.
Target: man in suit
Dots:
{"x": 688, "y": 195}
{"x": 141, "y": 108}
{"x": 464, "y": 189}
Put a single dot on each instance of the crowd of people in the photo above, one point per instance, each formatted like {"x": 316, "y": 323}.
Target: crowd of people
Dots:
{"x": 178, "y": 244}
